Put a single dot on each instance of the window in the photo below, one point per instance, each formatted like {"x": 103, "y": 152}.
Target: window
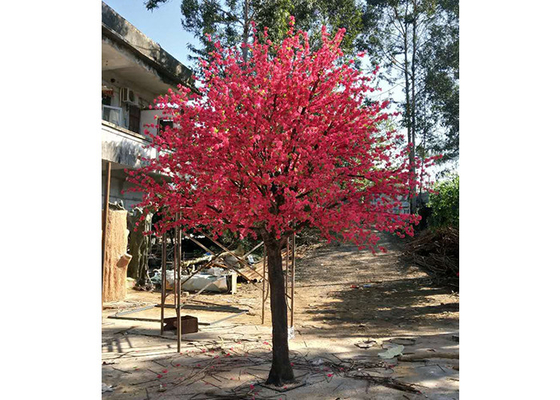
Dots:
{"x": 112, "y": 115}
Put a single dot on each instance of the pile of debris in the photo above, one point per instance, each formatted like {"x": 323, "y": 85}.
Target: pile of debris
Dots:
{"x": 211, "y": 280}
{"x": 211, "y": 272}
{"x": 437, "y": 253}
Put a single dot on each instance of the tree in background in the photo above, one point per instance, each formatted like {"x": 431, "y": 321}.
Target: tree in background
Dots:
{"x": 438, "y": 99}
{"x": 230, "y": 21}
{"x": 276, "y": 144}
{"x": 417, "y": 44}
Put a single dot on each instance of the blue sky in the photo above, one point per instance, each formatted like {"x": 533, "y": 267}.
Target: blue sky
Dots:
{"x": 162, "y": 25}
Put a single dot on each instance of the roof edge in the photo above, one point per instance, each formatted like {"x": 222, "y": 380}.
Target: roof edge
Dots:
{"x": 115, "y": 26}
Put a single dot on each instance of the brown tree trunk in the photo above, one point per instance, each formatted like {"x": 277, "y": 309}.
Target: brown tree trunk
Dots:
{"x": 281, "y": 371}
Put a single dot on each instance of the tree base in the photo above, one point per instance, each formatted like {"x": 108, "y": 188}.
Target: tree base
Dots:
{"x": 280, "y": 379}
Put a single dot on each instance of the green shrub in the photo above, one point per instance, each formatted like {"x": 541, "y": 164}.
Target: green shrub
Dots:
{"x": 445, "y": 204}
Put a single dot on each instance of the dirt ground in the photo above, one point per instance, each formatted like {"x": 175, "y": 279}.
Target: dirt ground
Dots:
{"x": 333, "y": 313}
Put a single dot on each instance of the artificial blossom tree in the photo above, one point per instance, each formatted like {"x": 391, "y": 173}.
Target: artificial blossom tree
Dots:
{"x": 270, "y": 146}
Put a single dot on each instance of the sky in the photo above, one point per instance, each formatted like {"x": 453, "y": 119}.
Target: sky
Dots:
{"x": 163, "y": 25}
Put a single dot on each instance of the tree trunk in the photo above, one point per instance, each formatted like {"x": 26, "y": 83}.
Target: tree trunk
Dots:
{"x": 413, "y": 207}
{"x": 408, "y": 105}
{"x": 281, "y": 371}
{"x": 246, "y": 24}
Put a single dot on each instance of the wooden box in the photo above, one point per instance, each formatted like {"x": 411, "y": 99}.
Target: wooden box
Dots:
{"x": 189, "y": 324}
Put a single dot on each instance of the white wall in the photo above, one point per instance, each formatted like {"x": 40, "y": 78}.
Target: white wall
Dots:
{"x": 147, "y": 117}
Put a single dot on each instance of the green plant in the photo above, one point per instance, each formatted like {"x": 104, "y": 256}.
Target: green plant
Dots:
{"x": 444, "y": 204}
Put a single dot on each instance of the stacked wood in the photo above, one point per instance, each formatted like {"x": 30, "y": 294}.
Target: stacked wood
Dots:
{"x": 253, "y": 273}
{"x": 437, "y": 253}
{"x": 249, "y": 273}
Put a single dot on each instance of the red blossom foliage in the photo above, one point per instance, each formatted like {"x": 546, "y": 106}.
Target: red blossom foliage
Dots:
{"x": 281, "y": 142}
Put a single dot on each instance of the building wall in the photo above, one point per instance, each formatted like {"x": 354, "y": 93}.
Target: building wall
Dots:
{"x": 146, "y": 118}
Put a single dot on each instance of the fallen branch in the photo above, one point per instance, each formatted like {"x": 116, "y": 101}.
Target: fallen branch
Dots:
{"x": 423, "y": 356}
{"x": 387, "y": 382}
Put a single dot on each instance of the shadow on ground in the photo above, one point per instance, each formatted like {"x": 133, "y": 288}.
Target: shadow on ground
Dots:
{"x": 374, "y": 293}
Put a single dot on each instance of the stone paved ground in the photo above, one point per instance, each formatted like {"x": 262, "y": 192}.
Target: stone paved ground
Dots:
{"x": 333, "y": 312}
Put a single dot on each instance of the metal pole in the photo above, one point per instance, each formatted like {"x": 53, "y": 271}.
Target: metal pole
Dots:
{"x": 134, "y": 311}
{"x": 178, "y": 285}
{"x": 174, "y": 239}
{"x": 105, "y": 222}
{"x": 163, "y": 278}
{"x": 293, "y": 279}
{"x": 226, "y": 318}
{"x": 264, "y": 284}
{"x": 287, "y": 267}
{"x": 134, "y": 318}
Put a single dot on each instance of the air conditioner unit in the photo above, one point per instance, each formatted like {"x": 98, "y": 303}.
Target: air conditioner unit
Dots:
{"x": 128, "y": 96}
